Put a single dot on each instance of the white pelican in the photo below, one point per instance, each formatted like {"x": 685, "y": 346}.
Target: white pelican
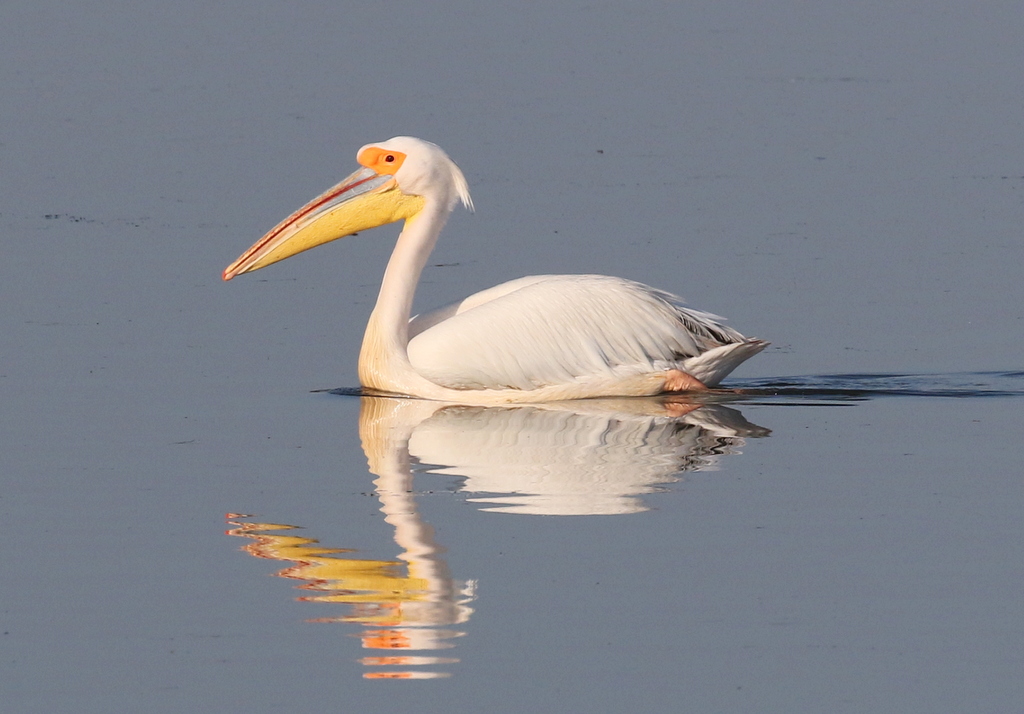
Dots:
{"x": 535, "y": 339}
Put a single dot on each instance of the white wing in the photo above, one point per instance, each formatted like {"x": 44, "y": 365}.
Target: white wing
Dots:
{"x": 554, "y": 329}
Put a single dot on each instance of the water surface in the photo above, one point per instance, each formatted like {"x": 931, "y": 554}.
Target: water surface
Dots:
{"x": 844, "y": 181}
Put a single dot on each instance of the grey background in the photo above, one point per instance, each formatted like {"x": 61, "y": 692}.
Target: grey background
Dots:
{"x": 845, "y": 181}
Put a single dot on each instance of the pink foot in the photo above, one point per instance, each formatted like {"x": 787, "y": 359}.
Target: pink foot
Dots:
{"x": 679, "y": 381}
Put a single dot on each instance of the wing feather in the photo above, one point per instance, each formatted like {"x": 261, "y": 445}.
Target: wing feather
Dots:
{"x": 547, "y": 330}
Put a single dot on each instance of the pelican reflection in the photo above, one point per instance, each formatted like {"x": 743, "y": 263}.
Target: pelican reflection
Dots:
{"x": 572, "y": 458}
{"x": 585, "y": 457}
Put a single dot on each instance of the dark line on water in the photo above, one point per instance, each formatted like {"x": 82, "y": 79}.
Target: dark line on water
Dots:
{"x": 360, "y": 392}
{"x": 859, "y": 387}
{"x": 830, "y": 390}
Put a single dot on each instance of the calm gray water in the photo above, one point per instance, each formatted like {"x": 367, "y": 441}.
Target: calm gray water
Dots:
{"x": 847, "y": 182}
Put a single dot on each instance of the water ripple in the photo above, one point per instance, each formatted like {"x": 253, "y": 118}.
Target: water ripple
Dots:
{"x": 859, "y": 387}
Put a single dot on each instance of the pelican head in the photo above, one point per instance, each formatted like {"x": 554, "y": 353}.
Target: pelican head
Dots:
{"x": 398, "y": 178}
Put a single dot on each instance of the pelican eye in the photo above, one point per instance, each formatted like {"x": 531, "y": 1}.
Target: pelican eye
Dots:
{"x": 389, "y": 159}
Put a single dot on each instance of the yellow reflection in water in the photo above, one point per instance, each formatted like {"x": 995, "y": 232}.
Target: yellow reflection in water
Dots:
{"x": 403, "y": 611}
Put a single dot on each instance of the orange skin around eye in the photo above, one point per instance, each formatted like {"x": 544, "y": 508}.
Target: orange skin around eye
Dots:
{"x": 376, "y": 158}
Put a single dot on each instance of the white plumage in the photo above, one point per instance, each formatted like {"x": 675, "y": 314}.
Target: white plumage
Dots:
{"x": 537, "y": 338}
{"x": 552, "y": 329}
